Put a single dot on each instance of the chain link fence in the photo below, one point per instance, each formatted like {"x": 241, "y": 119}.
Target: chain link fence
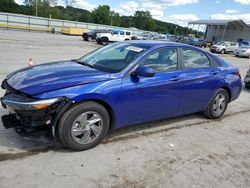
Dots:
{"x": 33, "y": 23}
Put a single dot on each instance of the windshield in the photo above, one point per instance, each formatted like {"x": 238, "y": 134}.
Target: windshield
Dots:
{"x": 113, "y": 58}
{"x": 221, "y": 43}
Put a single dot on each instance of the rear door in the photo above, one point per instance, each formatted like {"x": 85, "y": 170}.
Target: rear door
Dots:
{"x": 198, "y": 80}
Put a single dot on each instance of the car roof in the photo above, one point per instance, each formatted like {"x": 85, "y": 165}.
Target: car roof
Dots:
{"x": 152, "y": 43}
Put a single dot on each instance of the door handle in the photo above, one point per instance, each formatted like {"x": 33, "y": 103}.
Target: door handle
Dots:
{"x": 175, "y": 78}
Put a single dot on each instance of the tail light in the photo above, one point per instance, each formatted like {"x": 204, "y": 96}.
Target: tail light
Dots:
{"x": 238, "y": 74}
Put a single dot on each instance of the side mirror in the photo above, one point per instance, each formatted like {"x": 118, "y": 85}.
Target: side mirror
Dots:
{"x": 144, "y": 71}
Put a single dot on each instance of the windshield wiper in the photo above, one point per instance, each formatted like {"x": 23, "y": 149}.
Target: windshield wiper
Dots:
{"x": 82, "y": 63}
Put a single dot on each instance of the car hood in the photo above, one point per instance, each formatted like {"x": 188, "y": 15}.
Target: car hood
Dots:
{"x": 52, "y": 76}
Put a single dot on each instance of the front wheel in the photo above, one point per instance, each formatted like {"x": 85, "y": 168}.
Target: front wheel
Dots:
{"x": 105, "y": 41}
{"x": 223, "y": 51}
{"x": 83, "y": 126}
{"x": 218, "y": 104}
{"x": 89, "y": 39}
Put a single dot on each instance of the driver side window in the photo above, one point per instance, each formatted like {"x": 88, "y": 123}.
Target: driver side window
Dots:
{"x": 162, "y": 60}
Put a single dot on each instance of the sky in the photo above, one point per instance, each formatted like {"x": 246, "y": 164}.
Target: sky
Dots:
{"x": 174, "y": 11}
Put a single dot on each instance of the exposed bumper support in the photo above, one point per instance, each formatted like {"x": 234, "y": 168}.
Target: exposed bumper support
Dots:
{"x": 24, "y": 114}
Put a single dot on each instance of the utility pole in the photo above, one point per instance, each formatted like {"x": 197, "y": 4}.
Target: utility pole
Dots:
{"x": 111, "y": 22}
{"x": 36, "y": 9}
{"x": 175, "y": 29}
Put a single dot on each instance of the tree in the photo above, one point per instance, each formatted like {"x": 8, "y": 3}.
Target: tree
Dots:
{"x": 52, "y": 2}
{"x": 29, "y": 2}
{"x": 69, "y": 3}
{"x": 8, "y": 6}
{"x": 143, "y": 20}
{"x": 101, "y": 15}
{"x": 115, "y": 18}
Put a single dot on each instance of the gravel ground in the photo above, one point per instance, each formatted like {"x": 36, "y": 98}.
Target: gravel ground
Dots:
{"x": 188, "y": 151}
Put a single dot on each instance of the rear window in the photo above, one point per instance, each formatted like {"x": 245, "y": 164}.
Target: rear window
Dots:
{"x": 194, "y": 59}
{"x": 245, "y": 43}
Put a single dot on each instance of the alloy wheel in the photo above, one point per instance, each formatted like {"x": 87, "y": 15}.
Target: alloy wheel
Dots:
{"x": 219, "y": 104}
{"x": 87, "y": 127}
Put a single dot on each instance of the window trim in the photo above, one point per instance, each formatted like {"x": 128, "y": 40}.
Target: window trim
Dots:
{"x": 162, "y": 48}
{"x": 132, "y": 69}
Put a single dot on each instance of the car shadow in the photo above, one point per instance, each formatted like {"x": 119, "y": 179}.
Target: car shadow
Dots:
{"x": 134, "y": 131}
{"x": 22, "y": 144}
{"x": 245, "y": 89}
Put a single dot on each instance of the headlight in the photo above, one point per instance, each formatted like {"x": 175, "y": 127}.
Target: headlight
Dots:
{"x": 43, "y": 103}
{"x": 18, "y": 102}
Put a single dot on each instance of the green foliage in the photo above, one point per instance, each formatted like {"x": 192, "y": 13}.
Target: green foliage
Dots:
{"x": 8, "y": 5}
{"x": 143, "y": 20}
{"x": 101, "y": 15}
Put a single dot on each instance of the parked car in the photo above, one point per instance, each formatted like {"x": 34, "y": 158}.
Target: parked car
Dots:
{"x": 121, "y": 84}
{"x": 146, "y": 36}
{"x": 244, "y": 43}
{"x": 198, "y": 42}
{"x": 194, "y": 41}
{"x": 242, "y": 51}
{"x": 247, "y": 80}
{"x": 224, "y": 47}
{"x": 164, "y": 38}
{"x": 115, "y": 36}
{"x": 89, "y": 36}
{"x": 210, "y": 43}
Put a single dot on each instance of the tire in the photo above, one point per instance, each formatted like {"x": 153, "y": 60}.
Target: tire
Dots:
{"x": 247, "y": 86}
{"x": 84, "y": 37}
{"x": 78, "y": 138}
{"x": 89, "y": 38}
{"x": 98, "y": 41}
{"x": 223, "y": 51}
{"x": 105, "y": 41}
{"x": 210, "y": 111}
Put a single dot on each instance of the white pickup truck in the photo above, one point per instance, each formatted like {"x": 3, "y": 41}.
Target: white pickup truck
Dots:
{"x": 115, "y": 36}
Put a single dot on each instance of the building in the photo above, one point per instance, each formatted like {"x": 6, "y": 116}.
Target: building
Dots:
{"x": 223, "y": 30}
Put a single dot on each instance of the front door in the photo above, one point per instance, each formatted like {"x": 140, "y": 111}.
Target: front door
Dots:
{"x": 150, "y": 98}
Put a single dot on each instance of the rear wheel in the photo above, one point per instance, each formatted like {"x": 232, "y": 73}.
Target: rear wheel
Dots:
{"x": 83, "y": 126}
{"x": 218, "y": 104}
{"x": 247, "y": 85}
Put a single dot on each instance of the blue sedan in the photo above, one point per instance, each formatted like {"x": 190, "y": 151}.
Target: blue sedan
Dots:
{"x": 118, "y": 85}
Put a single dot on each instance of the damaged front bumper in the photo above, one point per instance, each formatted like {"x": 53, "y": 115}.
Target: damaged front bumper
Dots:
{"x": 29, "y": 113}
